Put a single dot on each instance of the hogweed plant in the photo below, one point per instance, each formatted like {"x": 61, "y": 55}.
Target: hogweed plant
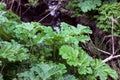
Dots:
{"x": 31, "y": 51}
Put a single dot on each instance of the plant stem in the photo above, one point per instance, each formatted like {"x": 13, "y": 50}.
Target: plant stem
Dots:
{"x": 2, "y": 68}
{"x": 112, "y": 32}
{"x": 113, "y": 45}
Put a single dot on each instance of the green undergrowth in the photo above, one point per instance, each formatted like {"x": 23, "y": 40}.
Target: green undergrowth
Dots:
{"x": 30, "y": 51}
{"x": 106, "y": 13}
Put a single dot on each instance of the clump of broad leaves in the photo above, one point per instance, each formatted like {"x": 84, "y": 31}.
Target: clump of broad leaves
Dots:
{"x": 30, "y": 51}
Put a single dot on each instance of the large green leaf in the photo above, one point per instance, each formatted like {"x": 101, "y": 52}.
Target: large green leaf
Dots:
{"x": 102, "y": 70}
{"x": 2, "y": 5}
{"x": 70, "y": 54}
{"x": 43, "y": 71}
{"x": 69, "y": 77}
{"x": 86, "y": 65}
{"x": 13, "y": 51}
{"x": 88, "y": 5}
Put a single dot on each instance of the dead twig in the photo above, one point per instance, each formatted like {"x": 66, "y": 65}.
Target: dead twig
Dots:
{"x": 102, "y": 51}
{"x": 112, "y": 56}
{"x": 12, "y": 2}
{"x": 59, "y": 3}
{"x": 112, "y": 32}
{"x": 104, "y": 40}
{"x": 105, "y": 52}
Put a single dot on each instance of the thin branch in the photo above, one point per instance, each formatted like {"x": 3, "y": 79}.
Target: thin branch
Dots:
{"x": 112, "y": 32}
{"x": 2, "y": 68}
{"x": 113, "y": 45}
{"x": 102, "y": 51}
{"x": 116, "y": 51}
{"x": 44, "y": 17}
{"x": 12, "y": 2}
{"x": 108, "y": 59}
{"x": 104, "y": 40}
{"x": 59, "y": 3}
{"x": 111, "y": 57}
{"x": 117, "y": 56}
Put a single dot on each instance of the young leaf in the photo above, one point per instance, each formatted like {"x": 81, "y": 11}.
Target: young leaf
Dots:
{"x": 102, "y": 70}
{"x": 13, "y": 51}
{"x": 70, "y": 54}
{"x": 69, "y": 77}
{"x": 89, "y": 5}
{"x": 43, "y": 71}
